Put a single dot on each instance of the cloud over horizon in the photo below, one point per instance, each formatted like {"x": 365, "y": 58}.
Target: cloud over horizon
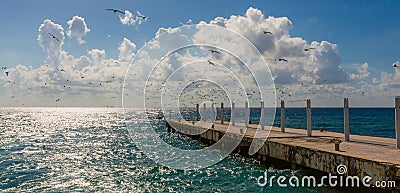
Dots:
{"x": 313, "y": 73}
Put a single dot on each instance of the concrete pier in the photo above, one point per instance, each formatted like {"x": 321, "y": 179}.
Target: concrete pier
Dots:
{"x": 363, "y": 156}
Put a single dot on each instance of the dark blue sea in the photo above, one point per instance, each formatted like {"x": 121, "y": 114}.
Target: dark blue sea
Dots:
{"x": 90, "y": 150}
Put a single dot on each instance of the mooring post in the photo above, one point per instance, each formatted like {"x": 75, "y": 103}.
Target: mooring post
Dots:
{"x": 309, "y": 126}
{"x": 197, "y": 112}
{"x": 222, "y": 113}
{"x": 282, "y": 116}
{"x": 346, "y": 120}
{"x": 233, "y": 114}
{"x": 262, "y": 119}
{"x": 212, "y": 113}
{"x": 204, "y": 112}
{"x": 246, "y": 114}
{"x": 397, "y": 120}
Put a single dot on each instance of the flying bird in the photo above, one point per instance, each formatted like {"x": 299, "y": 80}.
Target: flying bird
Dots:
{"x": 267, "y": 32}
{"x": 308, "y": 49}
{"x": 282, "y": 59}
{"x": 54, "y": 37}
{"x": 3, "y": 68}
{"x": 115, "y": 11}
{"x": 396, "y": 65}
{"x": 57, "y": 100}
{"x": 212, "y": 63}
{"x": 6, "y": 73}
{"x": 214, "y": 51}
{"x": 142, "y": 17}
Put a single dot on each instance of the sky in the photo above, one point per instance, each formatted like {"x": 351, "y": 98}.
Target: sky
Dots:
{"x": 356, "y": 46}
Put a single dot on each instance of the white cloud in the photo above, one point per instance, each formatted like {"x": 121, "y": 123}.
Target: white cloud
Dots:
{"x": 77, "y": 28}
{"x": 128, "y": 19}
{"x": 131, "y": 19}
{"x": 362, "y": 72}
{"x": 318, "y": 73}
{"x": 169, "y": 39}
{"x": 320, "y": 65}
{"x": 126, "y": 50}
{"x": 92, "y": 77}
{"x": 51, "y": 45}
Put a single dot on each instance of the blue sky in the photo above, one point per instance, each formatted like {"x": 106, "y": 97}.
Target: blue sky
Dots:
{"x": 365, "y": 31}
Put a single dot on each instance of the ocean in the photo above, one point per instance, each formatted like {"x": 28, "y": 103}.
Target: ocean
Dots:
{"x": 90, "y": 150}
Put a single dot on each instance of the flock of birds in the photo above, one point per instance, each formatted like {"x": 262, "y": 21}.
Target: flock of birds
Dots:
{"x": 138, "y": 16}
{"x": 203, "y": 94}
{"x": 68, "y": 83}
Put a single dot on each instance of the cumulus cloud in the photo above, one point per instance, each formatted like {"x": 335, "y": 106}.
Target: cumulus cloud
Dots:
{"x": 77, "y": 28}
{"x": 169, "y": 39}
{"x": 320, "y": 65}
{"x": 128, "y": 18}
{"x": 362, "y": 72}
{"x": 51, "y": 45}
{"x": 126, "y": 50}
{"x": 317, "y": 73}
{"x": 91, "y": 76}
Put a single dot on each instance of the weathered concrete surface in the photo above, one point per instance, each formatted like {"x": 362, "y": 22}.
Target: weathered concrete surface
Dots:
{"x": 373, "y": 156}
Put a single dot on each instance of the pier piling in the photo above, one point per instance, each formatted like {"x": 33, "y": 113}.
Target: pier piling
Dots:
{"x": 262, "y": 118}
{"x": 309, "y": 122}
{"x": 397, "y": 119}
{"x": 197, "y": 112}
{"x": 233, "y": 114}
{"x": 222, "y": 113}
{"x": 282, "y": 116}
{"x": 212, "y": 113}
{"x": 346, "y": 120}
{"x": 246, "y": 114}
{"x": 205, "y": 112}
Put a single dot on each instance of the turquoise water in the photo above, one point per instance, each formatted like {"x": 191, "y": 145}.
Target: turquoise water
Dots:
{"x": 379, "y": 122}
{"x": 58, "y": 150}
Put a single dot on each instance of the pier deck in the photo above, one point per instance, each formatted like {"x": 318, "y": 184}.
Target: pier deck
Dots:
{"x": 363, "y": 155}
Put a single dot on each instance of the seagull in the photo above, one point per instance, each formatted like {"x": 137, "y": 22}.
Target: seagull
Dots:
{"x": 142, "y": 17}
{"x": 115, "y": 11}
{"x": 209, "y": 62}
{"x": 308, "y": 49}
{"x": 282, "y": 59}
{"x": 396, "y": 65}
{"x": 214, "y": 51}
{"x": 267, "y": 32}
{"x": 54, "y": 37}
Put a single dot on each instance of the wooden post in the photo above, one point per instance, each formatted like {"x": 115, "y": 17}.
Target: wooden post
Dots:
{"x": 212, "y": 113}
{"x": 262, "y": 118}
{"x": 246, "y": 114}
{"x": 309, "y": 126}
{"x": 397, "y": 119}
{"x": 346, "y": 120}
{"x": 282, "y": 116}
{"x": 222, "y": 113}
{"x": 197, "y": 112}
{"x": 233, "y": 114}
{"x": 204, "y": 112}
